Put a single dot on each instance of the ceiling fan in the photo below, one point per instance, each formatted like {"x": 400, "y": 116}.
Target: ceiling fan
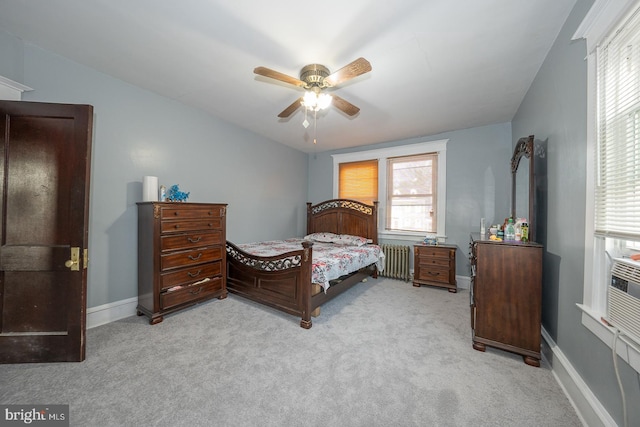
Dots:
{"x": 314, "y": 78}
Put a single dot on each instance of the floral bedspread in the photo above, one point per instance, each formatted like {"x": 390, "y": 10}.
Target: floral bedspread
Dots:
{"x": 329, "y": 262}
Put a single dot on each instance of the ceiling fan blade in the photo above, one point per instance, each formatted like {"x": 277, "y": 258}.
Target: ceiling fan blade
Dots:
{"x": 291, "y": 108}
{"x": 344, "y": 106}
{"x": 354, "y": 69}
{"x": 272, "y": 74}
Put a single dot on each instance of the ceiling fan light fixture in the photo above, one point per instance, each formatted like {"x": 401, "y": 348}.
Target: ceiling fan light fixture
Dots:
{"x": 316, "y": 101}
{"x": 324, "y": 101}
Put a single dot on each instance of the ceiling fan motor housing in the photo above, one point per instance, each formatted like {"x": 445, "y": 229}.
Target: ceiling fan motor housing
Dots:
{"x": 313, "y": 75}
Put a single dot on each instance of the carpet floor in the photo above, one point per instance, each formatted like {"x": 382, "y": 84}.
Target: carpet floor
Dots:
{"x": 384, "y": 353}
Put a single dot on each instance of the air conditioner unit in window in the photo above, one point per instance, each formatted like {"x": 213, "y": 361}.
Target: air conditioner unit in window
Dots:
{"x": 623, "y": 303}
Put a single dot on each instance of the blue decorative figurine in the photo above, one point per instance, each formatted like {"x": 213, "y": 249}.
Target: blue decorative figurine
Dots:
{"x": 175, "y": 195}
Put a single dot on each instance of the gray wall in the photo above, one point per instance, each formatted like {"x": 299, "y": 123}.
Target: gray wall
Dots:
{"x": 478, "y": 180}
{"x": 139, "y": 133}
{"x": 555, "y": 111}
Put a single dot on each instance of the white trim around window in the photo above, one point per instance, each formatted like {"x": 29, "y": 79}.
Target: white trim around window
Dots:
{"x": 381, "y": 155}
{"x": 603, "y": 16}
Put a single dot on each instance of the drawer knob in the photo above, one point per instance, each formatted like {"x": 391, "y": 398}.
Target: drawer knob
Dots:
{"x": 176, "y": 213}
{"x": 210, "y": 225}
{"x": 177, "y": 226}
{"x": 192, "y": 258}
{"x": 196, "y": 292}
{"x": 434, "y": 273}
{"x": 194, "y": 240}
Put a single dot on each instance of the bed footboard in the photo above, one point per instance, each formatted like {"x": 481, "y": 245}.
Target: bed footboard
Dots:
{"x": 282, "y": 282}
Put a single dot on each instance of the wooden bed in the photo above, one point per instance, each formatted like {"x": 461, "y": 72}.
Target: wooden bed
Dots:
{"x": 284, "y": 281}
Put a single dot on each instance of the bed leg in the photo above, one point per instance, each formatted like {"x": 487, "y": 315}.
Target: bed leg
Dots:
{"x": 306, "y": 324}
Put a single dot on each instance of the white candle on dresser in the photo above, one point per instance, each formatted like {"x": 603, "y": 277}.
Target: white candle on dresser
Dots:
{"x": 150, "y": 189}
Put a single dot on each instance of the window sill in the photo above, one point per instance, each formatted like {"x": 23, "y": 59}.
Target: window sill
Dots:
{"x": 626, "y": 349}
{"x": 406, "y": 235}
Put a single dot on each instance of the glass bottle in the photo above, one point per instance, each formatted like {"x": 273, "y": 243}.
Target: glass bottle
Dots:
{"x": 510, "y": 231}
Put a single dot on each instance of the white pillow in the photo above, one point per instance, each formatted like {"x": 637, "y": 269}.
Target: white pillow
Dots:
{"x": 348, "y": 240}
{"x": 321, "y": 237}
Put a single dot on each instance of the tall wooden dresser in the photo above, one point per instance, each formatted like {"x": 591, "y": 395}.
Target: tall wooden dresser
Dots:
{"x": 181, "y": 256}
{"x": 506, "y": 296}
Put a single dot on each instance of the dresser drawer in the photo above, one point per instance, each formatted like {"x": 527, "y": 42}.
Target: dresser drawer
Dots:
{"x": 190, "y": 240}
{"x": 188, "y": 258}
{"x": 189, "y": 275}
{"x": 190, "y": 293}
{"x": 434, "y": 274}
{"x": 191, "y": 212}
{"x": 191, "y": 225}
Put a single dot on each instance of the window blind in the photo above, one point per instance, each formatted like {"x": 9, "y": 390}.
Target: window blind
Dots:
{"x": 617, "y": 198}
{"x": 359, "y": 181}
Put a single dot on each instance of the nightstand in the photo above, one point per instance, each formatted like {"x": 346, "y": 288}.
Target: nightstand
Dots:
{"x": 435, "y": 265}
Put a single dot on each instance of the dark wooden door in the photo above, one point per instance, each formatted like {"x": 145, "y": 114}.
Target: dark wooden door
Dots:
{"x": 44, "y": 206}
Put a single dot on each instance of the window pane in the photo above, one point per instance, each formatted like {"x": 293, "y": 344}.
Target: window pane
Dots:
{"x": 411, "y": 200}
{"x": 412, "y": 177}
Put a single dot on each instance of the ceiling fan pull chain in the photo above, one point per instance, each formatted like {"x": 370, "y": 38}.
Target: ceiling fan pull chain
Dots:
{"x": 305, "y": 122}
{"x": 315, "y": 122}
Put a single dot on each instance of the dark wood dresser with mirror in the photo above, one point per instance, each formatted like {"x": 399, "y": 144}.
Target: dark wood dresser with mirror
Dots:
{"x": 506, "y": 296}
{"x": 181, "y": 256}
{"x": 506, "y": 276}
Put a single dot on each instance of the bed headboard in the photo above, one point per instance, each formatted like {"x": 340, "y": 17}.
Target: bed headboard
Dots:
{"x": 343, "y": 216}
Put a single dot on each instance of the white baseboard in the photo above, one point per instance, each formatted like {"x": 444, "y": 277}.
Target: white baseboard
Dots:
{"x": 464, "y": 282}
{"x": 586, "y": 404}
{"x": 111, "y": 312}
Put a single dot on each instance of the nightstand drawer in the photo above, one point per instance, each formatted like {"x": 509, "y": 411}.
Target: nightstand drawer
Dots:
{"x": 433, "y": 252}
{"x": 434, "y": 274}
{"x": 426, "y": 262}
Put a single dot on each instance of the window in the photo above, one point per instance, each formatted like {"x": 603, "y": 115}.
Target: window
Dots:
{"x": 612, "y": 31}
{"x": 617, "y": 186}
{"x": 411, "y": 186}
{"x": 412, "y": 193}
{"x": 359, "y": 181}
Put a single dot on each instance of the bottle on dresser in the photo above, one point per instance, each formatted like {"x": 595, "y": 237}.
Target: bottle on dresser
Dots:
{"x": 510, "y": 231}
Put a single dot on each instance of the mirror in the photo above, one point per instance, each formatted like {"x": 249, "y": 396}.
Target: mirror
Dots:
{"x": 523, "y": 190}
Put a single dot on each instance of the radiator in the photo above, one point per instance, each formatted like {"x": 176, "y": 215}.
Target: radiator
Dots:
{"x": 396, "y": 265}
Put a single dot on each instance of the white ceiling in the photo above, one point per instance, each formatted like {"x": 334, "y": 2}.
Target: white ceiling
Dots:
{"x": 438, "y": 65}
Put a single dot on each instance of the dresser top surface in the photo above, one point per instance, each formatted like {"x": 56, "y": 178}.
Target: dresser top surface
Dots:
{"x": 441, "y": 245}
{"x": 478, "y": 238}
